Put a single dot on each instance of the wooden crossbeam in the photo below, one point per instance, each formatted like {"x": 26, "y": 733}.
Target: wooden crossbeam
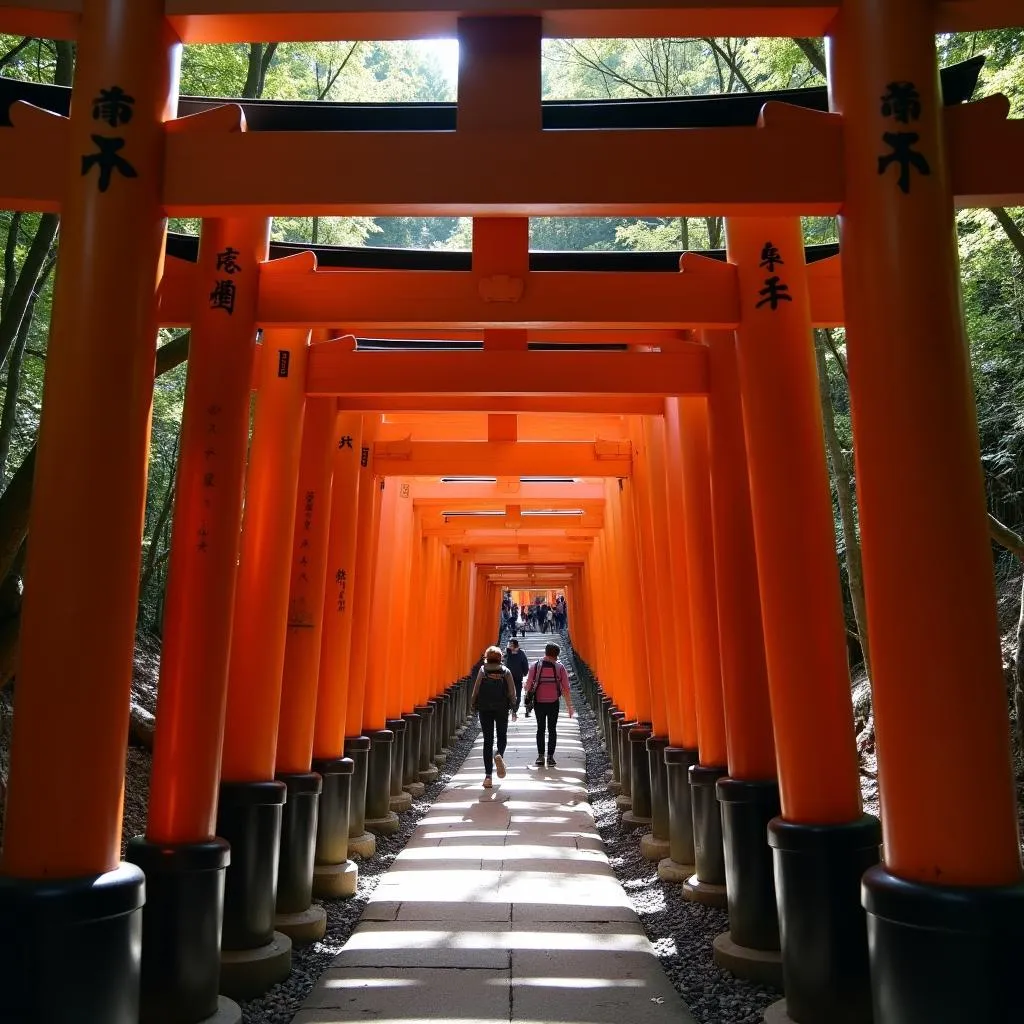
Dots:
{"x": 558, "y": 375}
{"x": 239, "y": 21}
{"x": 480, "y": 458}
{"x": 660, "y": 172}
{"x": 443, "y": 303}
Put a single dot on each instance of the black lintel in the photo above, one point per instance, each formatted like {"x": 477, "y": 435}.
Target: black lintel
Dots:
{"x": 722, "y": 111}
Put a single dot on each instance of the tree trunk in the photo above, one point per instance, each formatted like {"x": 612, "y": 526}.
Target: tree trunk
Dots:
{"x": 27, "y": 284}
{"x": 261, "y": 56}
{"x": 844, "y": 491}
{"x": 8, "y": 416}
{"x": 1018, "y": 672}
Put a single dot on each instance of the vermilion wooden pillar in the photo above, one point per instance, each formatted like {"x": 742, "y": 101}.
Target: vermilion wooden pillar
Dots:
{"x": 944, "y": 914}
{"x": 360, "y": 595}
{"x": 297, "y": 916}
{"x": 180, "y": 855}
{"x": 400, "y": 541}
{"x": 63, "y": 816}
{"x": 749, "y": 795}
{"x": 804, "y": 630}
{"x": 657, "y": 846}
{"x": 379, "y": 817}
{"x": 641, "y": 516}
{"x": 251, "y": 800}
{"x": 709, "y": 881}
{"x": 344, "y": 784}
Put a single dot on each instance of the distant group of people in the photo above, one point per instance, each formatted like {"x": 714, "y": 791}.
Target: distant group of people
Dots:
{"x": 538, "y": 617}
{"x": 498, "y": 693}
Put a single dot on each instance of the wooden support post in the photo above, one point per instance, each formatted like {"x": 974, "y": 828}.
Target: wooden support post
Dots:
{"x": 903, "y": 314}
{"x": 64, "y": 801}
{"x": 179, "y": 849}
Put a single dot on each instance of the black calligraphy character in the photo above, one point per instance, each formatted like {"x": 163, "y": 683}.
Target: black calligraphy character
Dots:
{"x": 207, "y": 479}
{"x": 304, "y": 578}
{"x": 340, "y": 576}
{"x": 902, "y": 101}
{"x": 303, "y": 560}
{"x": 774, "y": 292}
{"x": 903, "y": 153}
{"x": 214, "y": 410}
{"x": 107, "y": 160}
{"x": 210, "y": 452}
{"x": 114, "y": 106}
{"x": 304, "y": 544}
{"x": 228, "y": 261}
{"x": 769, "y": 257}
{"x": 364, "y": 457}
{"x": 223, "y": 296}
{"x": 346, "y": 441}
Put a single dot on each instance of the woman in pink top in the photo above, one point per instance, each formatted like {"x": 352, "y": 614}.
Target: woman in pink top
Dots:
{"x": 550, "y": 681}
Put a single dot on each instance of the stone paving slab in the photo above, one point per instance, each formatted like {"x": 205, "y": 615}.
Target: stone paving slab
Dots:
{"x": 502, "y": 909}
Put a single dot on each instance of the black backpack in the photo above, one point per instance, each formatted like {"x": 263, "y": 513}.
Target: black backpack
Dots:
{"x": 493, "y": 693}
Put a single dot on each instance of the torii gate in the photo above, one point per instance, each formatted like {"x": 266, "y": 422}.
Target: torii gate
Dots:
{"x": 889, "y": 160}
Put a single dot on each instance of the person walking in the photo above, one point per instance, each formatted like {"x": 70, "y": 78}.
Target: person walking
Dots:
{"x": 494, "y": 696}
{"x": 518, "y": 664}
{"x": 548, "y": 681}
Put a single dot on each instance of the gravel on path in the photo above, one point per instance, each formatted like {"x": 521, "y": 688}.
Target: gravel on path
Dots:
{"x": 281, "y": 1003}
{"x": 680, "y": 931}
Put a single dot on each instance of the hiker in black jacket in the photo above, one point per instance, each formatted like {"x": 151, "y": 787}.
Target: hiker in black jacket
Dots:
{"x": 518, "y": 664}
{"x": 494, "y": 693}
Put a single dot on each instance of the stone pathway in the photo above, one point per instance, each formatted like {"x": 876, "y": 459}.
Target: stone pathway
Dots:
{"x": 501, "y": 908}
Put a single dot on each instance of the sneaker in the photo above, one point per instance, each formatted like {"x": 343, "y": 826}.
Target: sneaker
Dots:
{"x": 552, "y": 762}
{"x": 499, "y": 765}
{"x": 487, "y": 782}
{"x": 539, "y": 762}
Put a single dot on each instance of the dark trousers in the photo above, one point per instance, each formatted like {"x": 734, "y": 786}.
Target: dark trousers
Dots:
{"x": 489, "y": 722}
{"x": 547, "y": 714}
{"x": 519, "y": 694}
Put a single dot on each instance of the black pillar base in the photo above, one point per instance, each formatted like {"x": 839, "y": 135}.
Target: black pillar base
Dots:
{"x": 427, "y": 769}
{"x": 437, "y": 733}
{"x": 746, "y": 809}
{"x": 640, "y": 772}
{"x": 333, "y": 820}
{"x": 98, "y": 919}
{"x": 678, "y": 762}
{"x": 298, "y": 842}
{"x": 625, "y": 762}
{"x": 397, "y": 727}
{"x": 604, "y": 710}
{"x": 818, "y": 871}
{"x": 708, "y": 850}
{"x": 615, "y": 720}
{"x": 448, "y": 718}
{"x": 378, "y": 781}
{"x": 358, "y": 749}
{"x": 943, "y": 954}
{"x": 656, "y": 747}
{"x": 411, "y": 765}
{"x": 181, "y": 926}
{"x": 249, "y": 818}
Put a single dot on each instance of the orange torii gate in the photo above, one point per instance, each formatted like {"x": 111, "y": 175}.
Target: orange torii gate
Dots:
{"x": 738, "y": 392}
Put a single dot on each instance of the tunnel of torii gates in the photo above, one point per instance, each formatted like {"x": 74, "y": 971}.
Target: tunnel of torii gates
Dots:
{"x": 667, "y": 425}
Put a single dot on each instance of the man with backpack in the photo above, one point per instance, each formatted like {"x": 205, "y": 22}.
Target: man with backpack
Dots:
{"x": 494, "y": 696}
{"x": 518, "y": 664}
{"x": 548, "y": 681}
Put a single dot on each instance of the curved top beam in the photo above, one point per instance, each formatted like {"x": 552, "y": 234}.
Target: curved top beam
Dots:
{"x": 239, "y": 21}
